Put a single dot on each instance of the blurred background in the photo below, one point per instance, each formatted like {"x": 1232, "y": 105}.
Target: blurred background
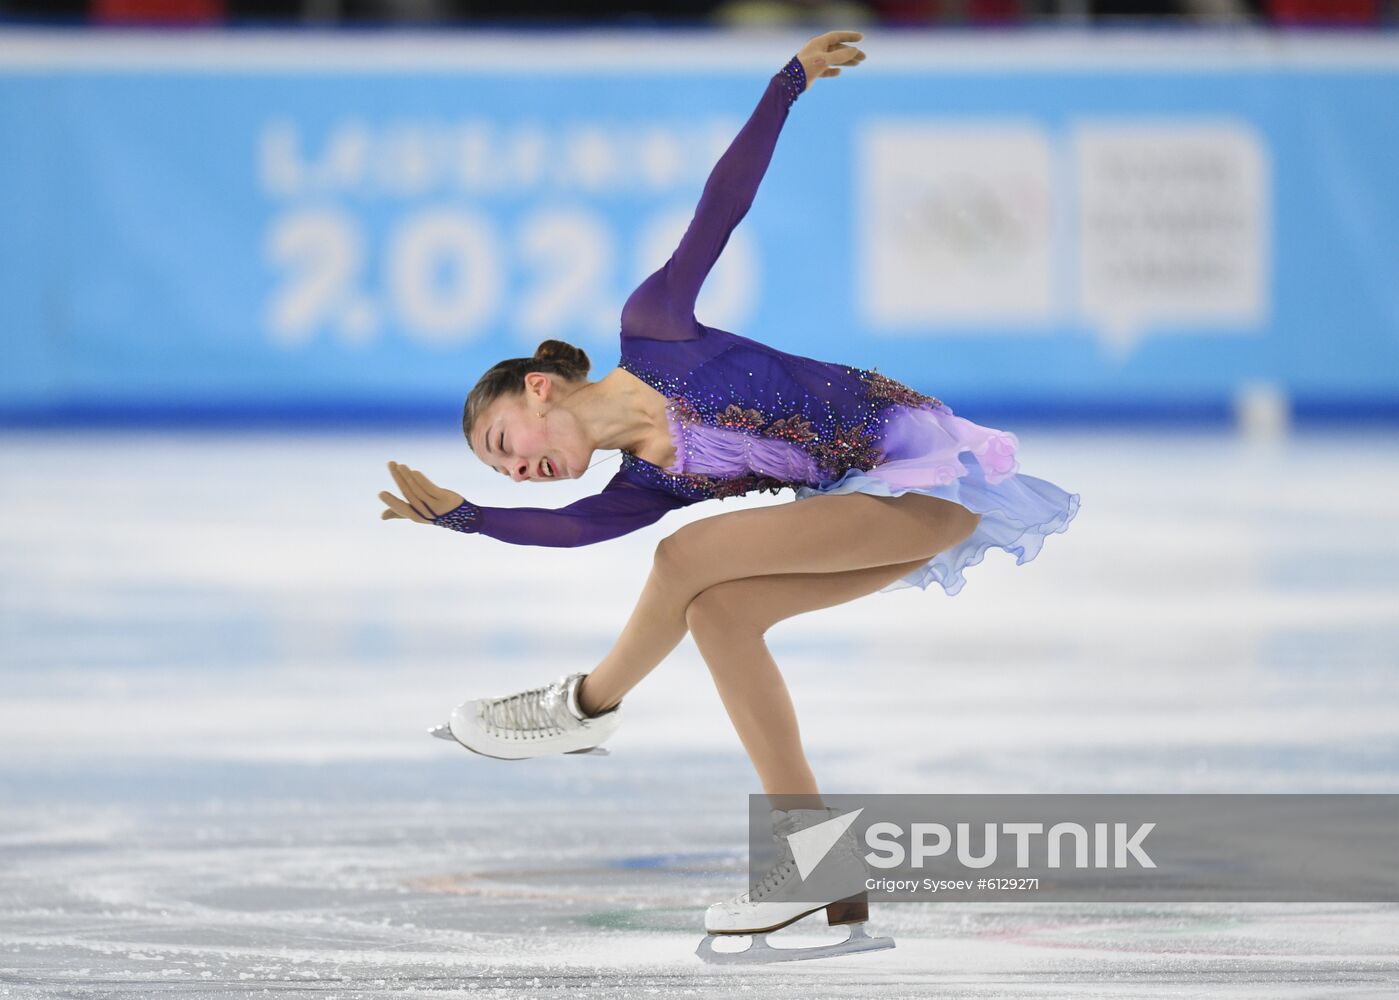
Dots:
{"x": 251, "y": 250}
{"x": 734, "y": 13}
{"x": 1070, "y": 224}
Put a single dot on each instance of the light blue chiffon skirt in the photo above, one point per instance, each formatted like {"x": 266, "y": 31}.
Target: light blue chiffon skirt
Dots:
{"x": 933, "y": 451}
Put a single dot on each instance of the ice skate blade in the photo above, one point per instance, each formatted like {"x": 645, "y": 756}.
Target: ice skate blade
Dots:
{"x": 444, "y": 732}
{"x": 759, "y": 952}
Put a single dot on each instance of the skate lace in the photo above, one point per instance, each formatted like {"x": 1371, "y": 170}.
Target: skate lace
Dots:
{"x": 533, "y": 714}
{"x": 780, "y": 871}
{"x": 770, "y": 881}
{"x": 775, "y": 876}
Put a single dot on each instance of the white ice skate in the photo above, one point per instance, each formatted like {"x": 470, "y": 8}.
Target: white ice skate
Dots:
{"x": 769, "y": 906}
{"x": 532, "y": 723}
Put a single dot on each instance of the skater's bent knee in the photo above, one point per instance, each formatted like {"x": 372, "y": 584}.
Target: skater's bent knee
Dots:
{"x": 670, "y": 551}
{"x": 966, "y": 524}
{"x": 723, "y": 606}
{"x": 955, "y": 524}
{"x": 943, "y": 523}
{"x": 681, "y": 551}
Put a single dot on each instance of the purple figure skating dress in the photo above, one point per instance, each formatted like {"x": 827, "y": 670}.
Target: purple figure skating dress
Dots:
{"x": 745, "y": 416}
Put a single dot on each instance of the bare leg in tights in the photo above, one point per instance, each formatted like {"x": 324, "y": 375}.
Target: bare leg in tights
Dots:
{"x": 728, "y": 578}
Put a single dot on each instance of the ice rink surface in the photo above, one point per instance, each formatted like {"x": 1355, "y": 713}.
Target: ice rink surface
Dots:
{"x": 218, "y": 666}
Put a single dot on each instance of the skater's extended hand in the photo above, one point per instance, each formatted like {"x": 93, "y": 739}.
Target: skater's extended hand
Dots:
{"x": 825, "y": 54}
{"x": 422, "y": 501}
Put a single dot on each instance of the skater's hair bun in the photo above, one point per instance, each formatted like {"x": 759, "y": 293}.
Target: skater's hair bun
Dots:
{"x": 507, "y": 378}
{"x": 573, "y": 360}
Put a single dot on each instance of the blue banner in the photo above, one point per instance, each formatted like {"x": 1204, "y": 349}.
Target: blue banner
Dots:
{"x": 261, "y": 238}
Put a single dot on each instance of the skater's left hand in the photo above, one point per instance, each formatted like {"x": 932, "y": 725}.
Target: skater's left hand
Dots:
{"x": 825, "y": 54}
{"x": 423, "y": 499}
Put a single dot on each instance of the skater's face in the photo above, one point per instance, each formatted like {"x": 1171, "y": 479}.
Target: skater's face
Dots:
{"x": 512, "y": 438}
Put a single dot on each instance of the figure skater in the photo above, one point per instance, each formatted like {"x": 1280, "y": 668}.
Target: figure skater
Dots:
{"x": 892, "y": 490}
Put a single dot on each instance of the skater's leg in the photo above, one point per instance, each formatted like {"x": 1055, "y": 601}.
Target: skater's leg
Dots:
{"x": 728, "y": 622}
{"x": 820, "y": 534}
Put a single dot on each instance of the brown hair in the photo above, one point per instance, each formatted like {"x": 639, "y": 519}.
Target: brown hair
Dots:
{"x": 508, "y": 377}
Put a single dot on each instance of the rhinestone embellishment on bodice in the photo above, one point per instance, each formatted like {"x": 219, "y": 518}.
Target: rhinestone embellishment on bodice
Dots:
{"x": 850, "y": 445}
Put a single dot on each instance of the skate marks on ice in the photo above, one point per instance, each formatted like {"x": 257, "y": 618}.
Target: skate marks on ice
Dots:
{"x": 374, "y": 898}
{"x": 650, "y": 903}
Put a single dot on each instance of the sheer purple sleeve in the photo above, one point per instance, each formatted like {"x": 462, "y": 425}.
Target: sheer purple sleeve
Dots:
{"x": 663, "y": 306}
{"x": 620, "y": 508}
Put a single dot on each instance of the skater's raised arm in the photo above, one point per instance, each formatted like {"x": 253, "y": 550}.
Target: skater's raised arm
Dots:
{"x": 663, "y": 306}
{"x": 622, "y": 507}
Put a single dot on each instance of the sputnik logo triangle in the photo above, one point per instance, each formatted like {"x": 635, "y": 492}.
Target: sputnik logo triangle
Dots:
{"x": 809, "y": 846}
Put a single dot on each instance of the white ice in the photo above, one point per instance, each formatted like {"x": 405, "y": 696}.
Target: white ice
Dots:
{"x": 218, "y": 664}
